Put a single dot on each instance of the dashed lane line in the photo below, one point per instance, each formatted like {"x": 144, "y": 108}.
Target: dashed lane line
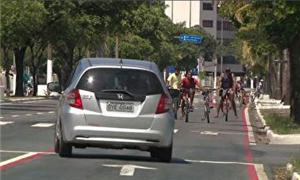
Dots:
{"x": 2, "y": 123}
{"x": 217, "y": 162}
{"x": 51, "y": 112}
{"x": 15, "y": 115}
{"x": 43, "y": 125}
{"x": 39, "y": 113}
{"x": 1, "y": 117}
{"x": 28, "y": 115}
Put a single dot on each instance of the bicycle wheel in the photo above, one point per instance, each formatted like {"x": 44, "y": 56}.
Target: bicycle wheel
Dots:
{"x": 176, "y": 106}
{"x": 207, "y": 113}
{"x": 187, "y": 110}
{"x": 225, "y": 108}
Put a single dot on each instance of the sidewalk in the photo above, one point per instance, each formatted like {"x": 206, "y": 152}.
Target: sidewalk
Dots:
{"x": 267, "y": 103}
{"x": 15, "y": 99}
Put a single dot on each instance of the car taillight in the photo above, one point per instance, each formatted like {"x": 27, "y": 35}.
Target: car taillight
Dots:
{"x": 163, "y": 105}
{"x": 74, "y": 99}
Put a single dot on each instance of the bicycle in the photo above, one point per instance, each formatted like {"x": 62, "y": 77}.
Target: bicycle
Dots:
{"x": 226, "y": 104}
{"x": 175, "y": 94}
{"x": 207, "y": 101}
{"x": 186, "y": 105}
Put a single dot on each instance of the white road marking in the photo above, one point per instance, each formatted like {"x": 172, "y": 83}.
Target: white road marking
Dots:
{"x": 39, "y": 113}
{"x": 3, "y": 163}
{"x": 5, "y": 122}
{"x": 260, "y": 171}
{"x": 250, "y": 129}
{"x": 209, "y": 133}
{"x": 15, "y": 115}
{"x": 51, "y": 112}
{"x": 215, "y": 133}
{"x": 175, "y": 130}
{"x": 24, "y": 152}
{"x": 1, "y": 117}
{"x": 28, "y": 114}
{"x": 127, "y": 169}
{"x": 43, "y": 125}
{"x": 217, "y": 162}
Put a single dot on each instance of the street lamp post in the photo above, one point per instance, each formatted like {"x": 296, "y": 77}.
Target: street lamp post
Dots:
{"x": 221, "y": 45}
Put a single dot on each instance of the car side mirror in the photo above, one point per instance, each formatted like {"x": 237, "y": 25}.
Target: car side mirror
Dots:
{"x": 54, "y": 87}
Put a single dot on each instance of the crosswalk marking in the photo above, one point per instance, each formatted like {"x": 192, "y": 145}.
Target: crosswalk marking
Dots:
{"x": 43, "y": 125}
{"x": 2, "y": 123}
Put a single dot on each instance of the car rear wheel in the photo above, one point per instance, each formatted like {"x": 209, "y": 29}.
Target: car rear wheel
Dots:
{"x": 163, "y": 154}
{"x": 62, "y": 148}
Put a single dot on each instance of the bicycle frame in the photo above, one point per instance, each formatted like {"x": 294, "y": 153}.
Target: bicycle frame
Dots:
{"x": 186, "y": 105}
{"x": 226, "y": 104}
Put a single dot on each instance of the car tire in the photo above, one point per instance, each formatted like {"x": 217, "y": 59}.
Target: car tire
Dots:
{"x": 61, "y": 147}
{"x": 163, "y": 154}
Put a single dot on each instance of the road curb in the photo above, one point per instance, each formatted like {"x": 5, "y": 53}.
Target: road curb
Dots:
{"x": 23, "y": 99}
{"x": 276, "y": 138}
{"x": 290, "y": 170}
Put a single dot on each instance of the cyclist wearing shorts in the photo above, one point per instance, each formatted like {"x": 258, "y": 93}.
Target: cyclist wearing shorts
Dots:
{"x": 189, "y": 85}
{"x": 227, "y": 85}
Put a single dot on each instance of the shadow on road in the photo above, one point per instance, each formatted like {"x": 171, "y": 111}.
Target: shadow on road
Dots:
{"x": 125, "y": 157}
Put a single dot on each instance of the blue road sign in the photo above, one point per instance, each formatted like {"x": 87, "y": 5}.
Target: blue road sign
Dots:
{"x": 191, "y": 38}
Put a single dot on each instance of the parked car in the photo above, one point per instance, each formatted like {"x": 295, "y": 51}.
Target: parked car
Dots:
{"x": 115, "y": 103}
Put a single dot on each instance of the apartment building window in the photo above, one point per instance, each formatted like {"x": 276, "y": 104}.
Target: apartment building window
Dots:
{"x": 227, "y": 26}
{"x": 208, "y": 6}
{"x": 207, "y": 23}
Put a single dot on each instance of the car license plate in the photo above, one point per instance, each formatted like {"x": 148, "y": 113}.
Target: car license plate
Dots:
{"x": 119, "y": 106}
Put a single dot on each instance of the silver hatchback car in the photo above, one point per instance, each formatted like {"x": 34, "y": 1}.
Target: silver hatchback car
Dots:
{"x": 115, "y": 103}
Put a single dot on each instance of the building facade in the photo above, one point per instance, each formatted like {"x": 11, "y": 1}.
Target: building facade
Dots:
{"x": 205, "y": 14}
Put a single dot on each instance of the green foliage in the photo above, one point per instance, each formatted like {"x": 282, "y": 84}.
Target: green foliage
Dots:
{"x": 282, "y": 124}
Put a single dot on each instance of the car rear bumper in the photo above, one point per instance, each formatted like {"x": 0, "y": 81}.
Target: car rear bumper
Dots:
{"x": 160, "y": 134}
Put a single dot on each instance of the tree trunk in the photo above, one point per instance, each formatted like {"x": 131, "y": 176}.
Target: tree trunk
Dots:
{"x": 19, "y": 54}
{"x": 7, "y": 70}
{"x": 67, "y": 68}
{"x": 34, "y": 78}
{"x": 273, "y": 80}
{"x": 286, "y": 91}
{"x": 295, "y": 79}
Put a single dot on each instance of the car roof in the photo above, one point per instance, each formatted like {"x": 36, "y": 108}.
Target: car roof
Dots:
{"x": 87, "y": 62}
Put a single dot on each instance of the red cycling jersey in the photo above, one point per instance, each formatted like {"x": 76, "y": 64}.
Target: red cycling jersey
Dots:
{"x": 189, "y": 83}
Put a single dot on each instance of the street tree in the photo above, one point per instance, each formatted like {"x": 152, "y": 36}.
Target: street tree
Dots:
{"x": 268, "y": 29}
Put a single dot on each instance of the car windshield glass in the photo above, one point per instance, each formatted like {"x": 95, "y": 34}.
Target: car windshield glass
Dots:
{"x": 134, "y": 81}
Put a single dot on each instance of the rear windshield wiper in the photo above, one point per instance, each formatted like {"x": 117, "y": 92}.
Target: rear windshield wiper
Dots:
{"x": 121, "y": 91}
{"x": 131, "y": 96}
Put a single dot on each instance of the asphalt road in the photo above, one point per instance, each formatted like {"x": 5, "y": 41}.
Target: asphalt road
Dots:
{"x": 219, "y": 150}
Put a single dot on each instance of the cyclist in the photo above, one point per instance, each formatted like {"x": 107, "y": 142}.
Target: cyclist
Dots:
{"x": 189, "y": 85}
{"x": 227, "y": 85}
{"x": 239, "y": 89}
{"x": 174, "y": 79}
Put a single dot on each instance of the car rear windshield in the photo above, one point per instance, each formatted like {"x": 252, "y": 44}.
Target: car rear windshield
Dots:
{"x": 135, "y": 81}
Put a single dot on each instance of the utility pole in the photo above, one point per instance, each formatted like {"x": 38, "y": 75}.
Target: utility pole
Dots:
{"x": 49, "y": 63}
{"x": 172, "y": 10}
{"x": 221, "y": 44}
{"x": 190, "y": 21}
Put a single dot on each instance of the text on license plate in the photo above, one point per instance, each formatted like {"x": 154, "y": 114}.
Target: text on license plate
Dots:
{"x": 119, "y": 106}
